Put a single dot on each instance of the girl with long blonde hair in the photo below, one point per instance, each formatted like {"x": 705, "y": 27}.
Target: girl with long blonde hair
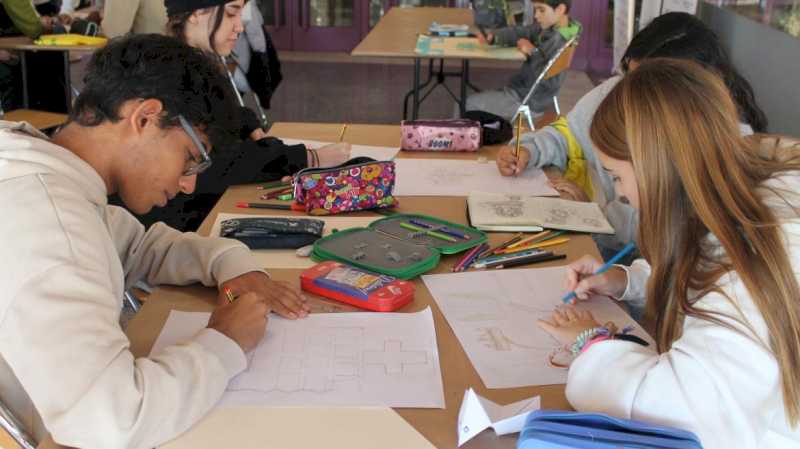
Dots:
{"x": 720, "y": 233}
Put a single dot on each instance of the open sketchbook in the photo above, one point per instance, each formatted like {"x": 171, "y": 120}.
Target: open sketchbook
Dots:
{"x": 517, "y": 213}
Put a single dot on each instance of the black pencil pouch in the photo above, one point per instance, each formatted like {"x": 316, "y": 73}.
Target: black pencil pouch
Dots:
{"x": 272, "y": 232}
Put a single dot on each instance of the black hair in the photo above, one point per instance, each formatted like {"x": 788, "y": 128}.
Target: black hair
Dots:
{"x": 150, "y": 66}
{"x": 554, "y": 3}
{"x": 176, "y": 24}
{"x": 684, "y": 36}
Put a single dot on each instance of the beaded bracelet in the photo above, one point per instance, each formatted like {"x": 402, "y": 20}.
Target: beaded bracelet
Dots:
{"x": 584, "y": 337}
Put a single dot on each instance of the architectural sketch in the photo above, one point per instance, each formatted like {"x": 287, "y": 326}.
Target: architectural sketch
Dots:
{"x": 333, "y": 359}
{"x": 494, "y": 314}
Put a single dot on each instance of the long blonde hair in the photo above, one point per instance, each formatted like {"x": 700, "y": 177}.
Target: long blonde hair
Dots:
{"x": 677, "y": 124}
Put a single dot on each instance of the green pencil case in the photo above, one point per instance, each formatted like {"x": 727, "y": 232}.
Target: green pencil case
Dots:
{"x": 389, "y": 247}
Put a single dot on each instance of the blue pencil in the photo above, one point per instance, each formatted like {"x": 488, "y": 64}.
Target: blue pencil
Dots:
{"x": 622, "y": 253}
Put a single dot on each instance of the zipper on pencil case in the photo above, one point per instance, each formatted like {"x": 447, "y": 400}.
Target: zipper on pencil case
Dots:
{"x": 440, "y": 124}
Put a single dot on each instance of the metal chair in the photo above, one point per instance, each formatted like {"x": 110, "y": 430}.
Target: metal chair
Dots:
{"x": 557, "y": 64}
{"x": 14, "y": 429}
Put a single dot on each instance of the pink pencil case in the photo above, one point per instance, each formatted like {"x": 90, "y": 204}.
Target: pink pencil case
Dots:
{"x": 440, "y": 135}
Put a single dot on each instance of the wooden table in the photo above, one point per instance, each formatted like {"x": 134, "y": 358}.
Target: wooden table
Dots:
{"x": 62, "y": 86}
{"x": 40, "y": 120}
{"x": 437, "y": 425}
{"x": 395, "y": 36}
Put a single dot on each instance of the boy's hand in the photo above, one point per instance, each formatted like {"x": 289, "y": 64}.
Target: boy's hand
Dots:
{"x": 243, "y": 321}
{"x": 525, "y": 46}
{"x": 282, "y": 298}
{"x": 508, "y": 164}
{"x": 485, "y": 40}
{"x": 569, "y": 190}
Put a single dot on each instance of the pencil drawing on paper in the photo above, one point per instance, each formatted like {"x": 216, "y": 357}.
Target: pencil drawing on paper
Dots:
{"x": 495, "y": 338}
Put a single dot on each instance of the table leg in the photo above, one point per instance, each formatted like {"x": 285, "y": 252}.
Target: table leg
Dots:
{"x": 415, "y": 105}
{"x": 25, "y": 98}
{"x": 67, "y": 82}
{"x": 462, "y": 101}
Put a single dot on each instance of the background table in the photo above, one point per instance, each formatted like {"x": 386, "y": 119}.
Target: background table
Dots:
{"x": 56, "y": 95}
{"x": 395, "y": 36}
{"x": 40, "y": 120}
{"x": 458, "y": 374}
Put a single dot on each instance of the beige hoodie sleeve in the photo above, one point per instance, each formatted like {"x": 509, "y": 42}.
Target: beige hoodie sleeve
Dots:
{"x": 163, "y": 255}
{"x": 118, "y": 17}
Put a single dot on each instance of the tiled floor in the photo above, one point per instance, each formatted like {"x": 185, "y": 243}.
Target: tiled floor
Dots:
{"x": 338, "y": 88}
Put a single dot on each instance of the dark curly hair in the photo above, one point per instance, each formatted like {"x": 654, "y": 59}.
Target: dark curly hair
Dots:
{"x": 150, "y": 66}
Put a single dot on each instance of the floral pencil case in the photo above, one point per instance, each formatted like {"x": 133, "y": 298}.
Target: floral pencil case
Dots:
{"x": 440, "y": 135}
{"x": 273, "y": 232}
{"x": 358, "y": 184}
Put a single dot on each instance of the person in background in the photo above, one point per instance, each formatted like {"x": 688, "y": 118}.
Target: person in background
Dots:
{"x": 214, "y": 26}
{"x": 21, "y": 17}
{"x": 566, "y": 144}
{"x": 720, "y": 231}
{"x": 539, "y": 42}
{"x": 121, "y": 17}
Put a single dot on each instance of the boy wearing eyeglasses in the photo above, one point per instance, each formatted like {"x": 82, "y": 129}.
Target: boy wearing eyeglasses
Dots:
{"x": 144, "y": 128}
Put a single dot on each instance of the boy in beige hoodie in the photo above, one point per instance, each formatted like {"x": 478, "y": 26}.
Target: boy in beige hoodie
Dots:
{"x": 139, "y": 129}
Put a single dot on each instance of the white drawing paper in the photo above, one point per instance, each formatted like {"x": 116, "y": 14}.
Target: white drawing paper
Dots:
{"x": 478, "y": 414}
{"x": 494, "y": 313}
{"x": 288, "y": 258}
{"x": 375, "y": 152}
{"x": 442, "y": 177}
{"x": 332, "y": 359}
{"x": 487, "y": 210}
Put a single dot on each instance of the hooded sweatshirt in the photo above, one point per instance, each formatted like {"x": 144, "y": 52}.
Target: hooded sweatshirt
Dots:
{"x": 66, "y": 258}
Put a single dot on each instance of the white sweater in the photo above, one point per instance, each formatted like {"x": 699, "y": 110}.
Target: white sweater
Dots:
{"x": 66, "y": 258}
{"x": 716, "y": 382}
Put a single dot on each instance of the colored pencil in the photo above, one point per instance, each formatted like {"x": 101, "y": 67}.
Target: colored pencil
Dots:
{"x": 438, "y": 235}
{"x": 467, "y": 260}
{"x": 519, "y": 136}
{"x": 273, "y": 185}
{"x": 246, "y": 205}
{"x": 544, "y": 244}
{"x": 505, "y": 244}
{"x": 443, "y": 229}
{"x": 528, "y": 239}
{"x": 341, "y": 133}
{"x": 526, "y": 261}
{"x": 491, "y": 259}
{"x": 605, "y": 267}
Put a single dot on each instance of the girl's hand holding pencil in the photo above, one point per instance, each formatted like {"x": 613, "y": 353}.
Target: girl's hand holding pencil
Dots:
{"x": 582, "y": 280}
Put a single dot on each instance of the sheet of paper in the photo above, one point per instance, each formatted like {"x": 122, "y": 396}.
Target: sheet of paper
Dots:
{"x": 689, "y": 6}
{"x": 493, "y": 314}
{"x": 443, "y": 177}
{"x": 488, "y": 209}
{"x": 478, "y": 414}
{"x": 624, "y": 16}
{"x": 286, "y": 258}
{"x": 377, "y": 153}
{"x": 464, "y": 47}
{"x": 246, "y": 427}
{"x": 650, "y": 10}
{"x": 333, "y": 359}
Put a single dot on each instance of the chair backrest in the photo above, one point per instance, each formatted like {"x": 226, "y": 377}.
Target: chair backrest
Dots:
{"x": 14, "y": 430}
{"x": 557, "y": 64}
{"x": 562, "y": 61}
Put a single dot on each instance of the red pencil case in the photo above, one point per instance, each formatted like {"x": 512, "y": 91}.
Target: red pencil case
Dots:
{"x": 357, "y": 287}
{"x": 440, "y": 135}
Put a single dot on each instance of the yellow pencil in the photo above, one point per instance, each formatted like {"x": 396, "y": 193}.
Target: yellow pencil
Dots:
{"x": 341, "y": 134}
{"x": 229, "y": 294}
{"x": 526, "y": 240}
{"x": 544, "y": 244}
{"x": 519, "y": 135}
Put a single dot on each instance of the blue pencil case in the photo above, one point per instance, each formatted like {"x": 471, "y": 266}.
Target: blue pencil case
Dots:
{"x": 556, "y": 429}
